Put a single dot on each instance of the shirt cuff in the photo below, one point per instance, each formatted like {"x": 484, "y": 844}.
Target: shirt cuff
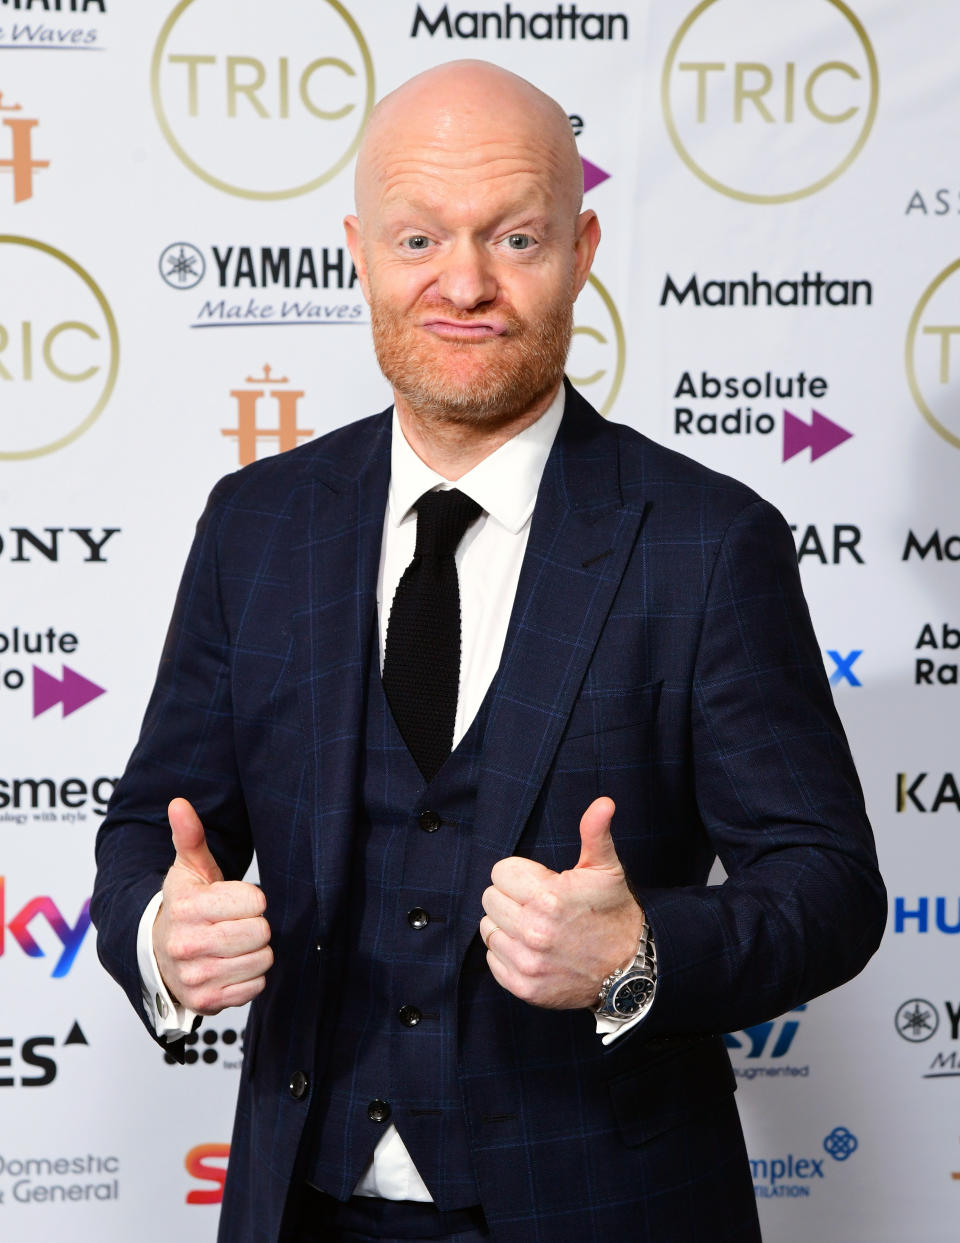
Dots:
{"x": 610, "y": 1029}
{"x": 170, "y": 1020}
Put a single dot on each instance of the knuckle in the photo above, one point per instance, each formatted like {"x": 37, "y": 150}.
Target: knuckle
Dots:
{"x": 537, "y": 938}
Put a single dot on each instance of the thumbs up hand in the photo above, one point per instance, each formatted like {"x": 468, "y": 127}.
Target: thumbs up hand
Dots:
{"x": 553, "y": 937}
{"x": 210, "y": 938}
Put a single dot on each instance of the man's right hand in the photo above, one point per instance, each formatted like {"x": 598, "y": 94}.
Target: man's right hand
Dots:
{"x": 210, "y": 938}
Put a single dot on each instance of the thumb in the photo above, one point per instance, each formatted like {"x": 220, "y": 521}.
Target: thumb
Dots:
{"x": 596, "y": 844}
{"x": 190, "y": 842}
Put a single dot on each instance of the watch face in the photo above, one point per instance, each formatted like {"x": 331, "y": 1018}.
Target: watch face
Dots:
{"x": 631, "y": 994}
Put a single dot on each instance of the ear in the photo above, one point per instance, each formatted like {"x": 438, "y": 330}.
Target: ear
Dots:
{"x": 585, "y": 247}
{"x": 351, "y": 225}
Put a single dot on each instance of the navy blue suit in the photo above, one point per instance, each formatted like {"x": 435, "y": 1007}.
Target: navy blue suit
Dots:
{"x": 659, "y": 652}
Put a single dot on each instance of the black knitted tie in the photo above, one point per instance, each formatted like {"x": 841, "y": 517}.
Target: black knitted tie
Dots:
{"x": 421, "y": 664}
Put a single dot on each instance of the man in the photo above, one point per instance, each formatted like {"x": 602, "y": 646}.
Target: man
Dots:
{"x": 624, "y": 633}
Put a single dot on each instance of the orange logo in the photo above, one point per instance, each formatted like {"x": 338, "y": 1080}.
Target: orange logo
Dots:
{"x": 21, "y": 162}
{"x": 248, "y": 434}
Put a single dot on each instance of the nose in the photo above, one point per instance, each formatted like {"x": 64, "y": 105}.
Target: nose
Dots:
{"x": 466, "y": 278}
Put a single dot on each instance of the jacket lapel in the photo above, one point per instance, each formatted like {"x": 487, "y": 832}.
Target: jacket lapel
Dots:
{"x": 340, "y": 508}
{"x": 581, "y": 538}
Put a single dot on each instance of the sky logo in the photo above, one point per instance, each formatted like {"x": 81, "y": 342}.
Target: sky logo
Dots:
{"x": 71, "y": 936}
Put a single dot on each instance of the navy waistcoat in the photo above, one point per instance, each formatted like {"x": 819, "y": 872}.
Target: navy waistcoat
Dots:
{"x": 393, "y": 1040}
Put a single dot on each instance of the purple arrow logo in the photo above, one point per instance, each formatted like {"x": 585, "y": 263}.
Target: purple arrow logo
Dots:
{"x": 820, "y": 436}
{"x": 592, "y": 174}
{"x": 72, "y": 690}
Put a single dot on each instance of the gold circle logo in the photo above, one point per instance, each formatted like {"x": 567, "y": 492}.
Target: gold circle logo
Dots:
{"x": 933, "y": 354}
{"x": 59, "y": 349}
{"x": 264, "y": 102}
{"x": 598, "y": 350}
{"x": 768, "y": 128}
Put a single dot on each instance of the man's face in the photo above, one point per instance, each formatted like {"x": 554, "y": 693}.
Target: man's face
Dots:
{"x": 471, "y": 256}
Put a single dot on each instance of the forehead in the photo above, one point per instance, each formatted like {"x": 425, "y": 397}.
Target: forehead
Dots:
{"x": 445, "y": 161}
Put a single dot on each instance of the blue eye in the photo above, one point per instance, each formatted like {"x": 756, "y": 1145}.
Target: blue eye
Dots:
{"x": 519, "y": 241}
{"x": 417, "y": 242}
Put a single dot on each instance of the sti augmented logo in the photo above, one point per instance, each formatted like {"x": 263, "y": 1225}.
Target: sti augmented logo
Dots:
{"x": 71, "y": 936}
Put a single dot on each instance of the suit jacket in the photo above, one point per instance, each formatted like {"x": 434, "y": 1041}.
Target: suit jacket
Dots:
{"x": 660, "y": 652}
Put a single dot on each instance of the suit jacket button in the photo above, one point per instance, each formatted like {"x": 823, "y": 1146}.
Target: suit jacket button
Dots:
{"x": 378, "y": 1111}
{"x": 409, "y": 1016}
{"x": 298, "y": 1085}
{"x": 429, "y": 821}
{"x": 418, "y": 917}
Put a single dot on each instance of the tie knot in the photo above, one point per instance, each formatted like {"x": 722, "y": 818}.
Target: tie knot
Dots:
{"x": 442, "y": 518}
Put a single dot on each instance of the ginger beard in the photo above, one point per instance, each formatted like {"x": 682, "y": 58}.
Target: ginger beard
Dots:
{"x": 489, "y": 381}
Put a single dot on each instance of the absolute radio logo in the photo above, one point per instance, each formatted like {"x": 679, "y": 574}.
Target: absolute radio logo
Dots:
{"x": 933, "y": 356}
{"x": 598, "y": 349}
{"x": 43, "y": 34}
{"x": 277, "y": 285}
{"x": 69, "y": 689}
{"x": 264, "y": 104}
{"x": 769, "y": 103}
{"x": 59, "y": 349}
{"x": 724, "y": 406}
{"x": 43, "y": 907}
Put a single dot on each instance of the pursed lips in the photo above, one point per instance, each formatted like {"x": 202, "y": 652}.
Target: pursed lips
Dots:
{"x": 464, "y": 330}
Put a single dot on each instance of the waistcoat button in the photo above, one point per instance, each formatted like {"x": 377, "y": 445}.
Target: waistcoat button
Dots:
{"x": 429, "y": 821}
{"x": 418, "y": 917}
{"x": 378, "y": 1111}
{"x": 409, "y": 1016}
{"x": 298, "y": 1085}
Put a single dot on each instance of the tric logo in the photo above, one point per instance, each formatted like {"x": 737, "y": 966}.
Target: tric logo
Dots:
{"x": 21, "y": 162}
{"x": 71, "y": 937}
{"x": 248, "y": 434}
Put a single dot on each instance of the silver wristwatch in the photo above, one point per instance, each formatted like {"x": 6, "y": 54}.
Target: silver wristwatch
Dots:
{"x": 629, "y": 989}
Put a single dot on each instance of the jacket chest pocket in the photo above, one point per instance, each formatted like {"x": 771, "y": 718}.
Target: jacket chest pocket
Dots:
{"x": 610, "y": 729}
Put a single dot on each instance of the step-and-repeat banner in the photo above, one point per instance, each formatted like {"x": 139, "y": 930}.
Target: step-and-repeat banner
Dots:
{"x": 777, "y": 294}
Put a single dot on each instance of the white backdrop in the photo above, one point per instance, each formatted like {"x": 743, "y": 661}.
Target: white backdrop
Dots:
{"x": 777, "y": 293}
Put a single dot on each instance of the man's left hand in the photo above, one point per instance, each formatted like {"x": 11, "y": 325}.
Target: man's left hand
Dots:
{"x": 553, "y": 937}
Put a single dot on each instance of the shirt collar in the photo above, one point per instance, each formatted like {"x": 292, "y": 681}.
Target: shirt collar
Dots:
{"x": 504, "y": 484}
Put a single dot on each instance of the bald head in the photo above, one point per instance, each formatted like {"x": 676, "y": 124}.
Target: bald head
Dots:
{"x": 468, "y": 113}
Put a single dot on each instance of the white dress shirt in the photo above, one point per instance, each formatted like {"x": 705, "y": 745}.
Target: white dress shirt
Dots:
{"x": 489, "y": 557}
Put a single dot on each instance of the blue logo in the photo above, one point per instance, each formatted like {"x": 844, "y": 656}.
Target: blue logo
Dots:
{"x": 764, "y": 1048}
{"x": 844, "y": 667}
{"x": 841, "y": 1144}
